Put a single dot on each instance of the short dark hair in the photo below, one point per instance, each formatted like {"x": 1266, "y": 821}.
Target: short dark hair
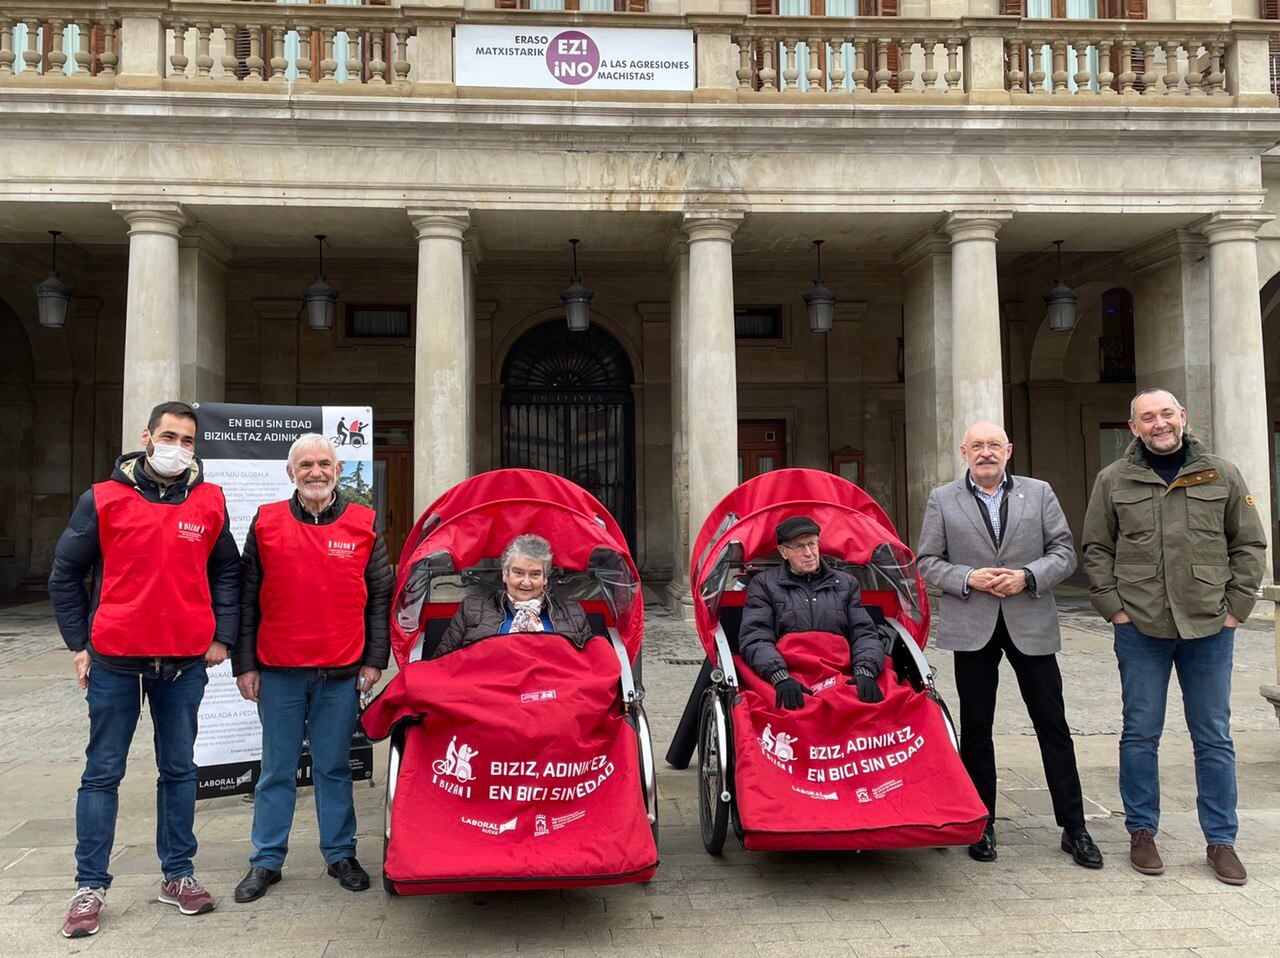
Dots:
{"x": 180, "y": 409}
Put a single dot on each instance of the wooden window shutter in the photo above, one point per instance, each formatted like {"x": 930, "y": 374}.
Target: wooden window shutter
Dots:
{"x": 1013, "y": 8}
{"x": 636, "y": 6}
{"x": 763, "y": 8}
{"x": 508, "y": 4}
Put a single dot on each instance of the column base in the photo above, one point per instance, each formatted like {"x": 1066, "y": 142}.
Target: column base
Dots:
{"x": 680, "y": 601}
{"x": 1272, "y": 694}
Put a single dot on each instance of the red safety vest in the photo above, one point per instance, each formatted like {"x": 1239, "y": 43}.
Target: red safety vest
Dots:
{"x": 313, "y": 591}
{"x": 154, "y": 599}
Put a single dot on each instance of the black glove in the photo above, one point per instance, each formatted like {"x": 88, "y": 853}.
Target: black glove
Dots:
{"x": 790, "y": 693}
{"x": 868, "y": 688}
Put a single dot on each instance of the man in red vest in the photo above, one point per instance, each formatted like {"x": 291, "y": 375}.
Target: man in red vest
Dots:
{"x": 314, "y": 591}
{"x": 162, "y": 608}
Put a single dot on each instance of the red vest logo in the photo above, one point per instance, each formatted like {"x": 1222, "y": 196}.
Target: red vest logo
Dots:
{"x": 339, "y": 548}
{"x": 190, "y": 531}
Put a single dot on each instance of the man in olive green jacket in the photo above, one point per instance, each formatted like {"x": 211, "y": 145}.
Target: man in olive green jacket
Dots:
{"x": 1174, "y": 550}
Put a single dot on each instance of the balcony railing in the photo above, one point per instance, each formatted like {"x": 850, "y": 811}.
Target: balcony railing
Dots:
{"x": 256, "y": 46}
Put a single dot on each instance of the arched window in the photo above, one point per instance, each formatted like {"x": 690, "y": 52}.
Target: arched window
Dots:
{"x": 1115, "y": 345}
{"x": 567, "y": 408}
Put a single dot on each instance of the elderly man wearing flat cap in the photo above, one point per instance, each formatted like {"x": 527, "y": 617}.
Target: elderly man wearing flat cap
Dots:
{"x": 804, "y": 594}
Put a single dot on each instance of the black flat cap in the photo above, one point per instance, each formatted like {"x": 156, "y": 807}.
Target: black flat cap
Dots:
{"x": 794, "y": 526}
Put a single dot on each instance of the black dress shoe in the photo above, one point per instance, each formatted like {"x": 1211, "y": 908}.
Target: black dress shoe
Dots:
{"x": 1081, "y": 847}
{"x": 255, "y": 883}
{"x": 349, "y": 874}
{"x": 984, "y": 849}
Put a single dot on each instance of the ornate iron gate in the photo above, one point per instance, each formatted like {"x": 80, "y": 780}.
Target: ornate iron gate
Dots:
{"x": 567, "y": 408}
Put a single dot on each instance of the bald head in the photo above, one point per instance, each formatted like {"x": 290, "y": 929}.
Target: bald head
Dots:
{"x": 985, "y": 431}
{"x": 986, "y": 450}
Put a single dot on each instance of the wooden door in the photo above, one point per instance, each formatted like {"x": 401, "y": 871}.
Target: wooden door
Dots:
{"x": 762, "y": 447}
{"x": 393, "y": 485}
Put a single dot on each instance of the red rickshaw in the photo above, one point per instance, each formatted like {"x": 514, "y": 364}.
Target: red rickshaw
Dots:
{"x": 520, "y": 761}
{"x": 839, "y": 773}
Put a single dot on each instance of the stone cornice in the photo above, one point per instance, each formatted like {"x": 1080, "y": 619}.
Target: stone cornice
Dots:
{"x": 1176, "y": 244}
{"x": 205, "y": 238}
{"x": 628, "y": 126}
{"x": 929, "y": 243}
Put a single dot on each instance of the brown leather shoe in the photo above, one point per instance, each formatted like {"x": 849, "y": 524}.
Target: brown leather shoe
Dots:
{"x": 1226, "y": 864}
{"x": 1143, "y": 855}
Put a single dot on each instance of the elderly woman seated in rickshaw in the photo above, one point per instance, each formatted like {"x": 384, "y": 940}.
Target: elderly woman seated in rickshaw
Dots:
{"x": 525, "y": 603}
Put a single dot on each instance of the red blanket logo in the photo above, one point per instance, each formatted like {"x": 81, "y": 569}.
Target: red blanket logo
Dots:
{"x": 840, "y": 773}
{"x": 517, "y": 766}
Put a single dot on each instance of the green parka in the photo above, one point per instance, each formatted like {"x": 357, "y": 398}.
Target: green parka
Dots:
{"x": 1176, "y": 558}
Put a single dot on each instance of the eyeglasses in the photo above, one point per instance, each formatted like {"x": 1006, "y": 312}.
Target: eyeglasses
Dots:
{"x": 994, "y": 445}
{"x": 809, "y": 545}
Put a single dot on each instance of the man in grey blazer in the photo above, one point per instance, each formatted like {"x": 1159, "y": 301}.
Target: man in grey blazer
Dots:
{"x": 996, "y": 545}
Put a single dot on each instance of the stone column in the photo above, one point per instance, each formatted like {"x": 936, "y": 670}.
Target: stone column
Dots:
{"x": 202, "y": 313}
{"x": 977, "y": 374}
{"x": 444, "y": 368}
{"x": 1237, "y": 375}
{"x": 679, "y": 598}
{"x": 1171, "y": 321}
{"x": 471, "y": 256}
{"x": 709, "y": 363}
{"x": 152, "y": 332}
{"x": 931, "y": 452}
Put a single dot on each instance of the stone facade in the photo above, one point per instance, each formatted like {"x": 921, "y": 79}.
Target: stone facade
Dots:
{"x": 189, "y": 198}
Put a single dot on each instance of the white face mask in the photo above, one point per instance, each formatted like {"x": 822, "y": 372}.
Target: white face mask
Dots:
{"x": 169, "y": 461}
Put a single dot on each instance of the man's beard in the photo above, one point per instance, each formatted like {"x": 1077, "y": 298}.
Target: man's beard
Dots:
{"x": 309, "y": 492}
{"x": 1174, "y": 447}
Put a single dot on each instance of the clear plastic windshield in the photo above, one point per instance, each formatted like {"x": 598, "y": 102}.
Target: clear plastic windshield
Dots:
{"x": 889, "y": 568}
{"x": 433, "y": 578}
{"x": 721, "y": 529}
{"x": 426, "y": 575}
{"x": 718, "y": 577}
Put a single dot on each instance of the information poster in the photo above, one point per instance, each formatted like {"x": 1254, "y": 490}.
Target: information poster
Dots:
{"x": 244, "y": 448}
{"x": 562, "y": 58}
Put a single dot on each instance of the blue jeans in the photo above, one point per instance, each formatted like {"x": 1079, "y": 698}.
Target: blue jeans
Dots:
{"x": 115, "y": 702}
{"x": 291, "y": 703}
{"x": 1204, "y": 673}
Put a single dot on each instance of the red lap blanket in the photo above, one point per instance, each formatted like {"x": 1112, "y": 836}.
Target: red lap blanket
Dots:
{"x": 843, "y": 774}
{"x": 521, "y": 772}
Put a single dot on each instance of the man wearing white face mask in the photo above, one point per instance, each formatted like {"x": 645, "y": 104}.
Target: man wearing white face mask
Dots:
{"x": 163, "y": 606}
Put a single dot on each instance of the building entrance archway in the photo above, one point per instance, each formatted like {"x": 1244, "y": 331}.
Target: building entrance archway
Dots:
{"x": 567, "y": 408}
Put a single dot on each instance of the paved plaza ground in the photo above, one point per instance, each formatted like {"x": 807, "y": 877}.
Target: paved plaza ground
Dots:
{"x": 923, "y": 902}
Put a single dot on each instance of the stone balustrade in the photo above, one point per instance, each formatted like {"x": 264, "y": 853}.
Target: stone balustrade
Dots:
{"x": 250, "y": 43}
{"x": 1105, "y": 59}
{"x": 887, "y": 56}
{"x": 82, "y": 43}
{"x": 257, "y": 45}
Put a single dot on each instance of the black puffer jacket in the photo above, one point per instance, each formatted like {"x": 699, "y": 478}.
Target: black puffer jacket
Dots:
{"x": 481, "y": 616}
{"x": 378, "y": 582}
{"x": 779, "y": 601}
